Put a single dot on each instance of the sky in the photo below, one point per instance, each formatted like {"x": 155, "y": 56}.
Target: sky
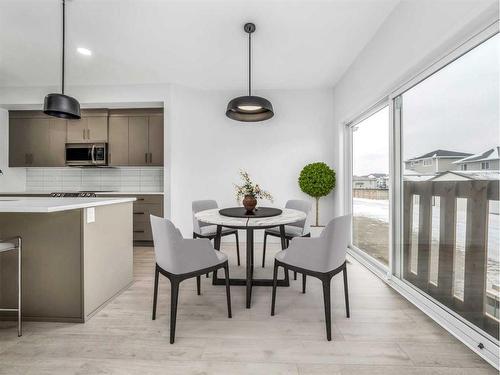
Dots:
{"x": 371, "y": 144}
{"x": 457, "y": 109}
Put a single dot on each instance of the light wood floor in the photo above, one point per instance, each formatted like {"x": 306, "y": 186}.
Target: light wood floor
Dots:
{"x": 385, "y": 334}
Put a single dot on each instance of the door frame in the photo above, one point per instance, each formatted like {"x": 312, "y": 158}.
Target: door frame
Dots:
{"x": 357, "y": 253}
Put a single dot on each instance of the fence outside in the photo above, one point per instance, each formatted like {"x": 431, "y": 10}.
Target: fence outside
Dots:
{"x": 477, "y": 306}
{"x": 379, "y": 194}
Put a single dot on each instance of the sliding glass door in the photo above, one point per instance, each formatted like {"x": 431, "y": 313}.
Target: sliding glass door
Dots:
{"x": 450, "y": 140}
{"x": 423, "y": 185}
{"x": 370, "y": 185}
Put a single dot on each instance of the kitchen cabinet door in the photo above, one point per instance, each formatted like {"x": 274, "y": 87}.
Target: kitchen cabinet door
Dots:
{"x": 37, "y": 138}
{"x": 155, "y": 140}
{"x": 18, "y": 147}
{"x": 36, "y": 142}
{"x": 57, "y": 141}
{"x": 118, "y": 141}
{"x": 97, "y": 129}
{"x": 77, "y": 131}
{"x": 138, "y": 140}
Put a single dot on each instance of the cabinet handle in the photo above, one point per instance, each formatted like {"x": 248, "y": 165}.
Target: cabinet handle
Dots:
{"x": 88, "y": 133}
{"x": 146, "y": 157}
{"x": 140, "y": 199}
{"x": 150, "y": 157}
{"x": 83, "y": 131}
{"x": 139, "y": 213}
{"x": 138, "y": 231}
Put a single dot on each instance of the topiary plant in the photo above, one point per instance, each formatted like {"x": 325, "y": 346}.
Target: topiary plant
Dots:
{"x": 317, "y": 180}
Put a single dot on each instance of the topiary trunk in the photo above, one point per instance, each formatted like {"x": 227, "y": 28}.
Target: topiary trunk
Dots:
{"x": 317, "y": 211}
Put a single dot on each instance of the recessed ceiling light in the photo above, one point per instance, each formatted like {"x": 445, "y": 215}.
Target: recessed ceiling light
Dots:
{"x": 84, "y": 51}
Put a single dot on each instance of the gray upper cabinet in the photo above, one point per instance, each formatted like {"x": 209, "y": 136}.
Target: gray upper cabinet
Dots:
{"x": 18, "y": 146}
{"x": 134, "y": 136}
{"x": 92, "y": 127}
{"x": 118, "y": 141}
{"x": 77, "y": 130}
{"x": 36, "y": 140}
{"x": 97, "y": 129}
{"x": 138, "y": 151}
{"x": 155, "y": 140}
{"x": 57, "y": 141}
{"x": 142, "y": 131}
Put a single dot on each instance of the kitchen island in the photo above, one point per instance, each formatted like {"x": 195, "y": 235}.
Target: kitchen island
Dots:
{"x": 77, "y": 254}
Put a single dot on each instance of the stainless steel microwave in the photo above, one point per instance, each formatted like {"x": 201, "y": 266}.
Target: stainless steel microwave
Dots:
{"x": 86, "y": 154}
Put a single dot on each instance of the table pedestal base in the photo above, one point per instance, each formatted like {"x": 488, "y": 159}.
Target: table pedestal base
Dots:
{"x": 249, "y": 281}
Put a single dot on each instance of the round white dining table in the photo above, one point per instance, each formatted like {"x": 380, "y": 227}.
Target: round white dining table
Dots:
{"x": 250, "y": 224}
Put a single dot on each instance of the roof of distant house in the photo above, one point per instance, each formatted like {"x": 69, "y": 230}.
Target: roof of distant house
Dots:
{"x": 488, "y": 155}
{"x": 441, "y": 154}
{"x": 470, "y": 175}
{"x": 371, "y": 176}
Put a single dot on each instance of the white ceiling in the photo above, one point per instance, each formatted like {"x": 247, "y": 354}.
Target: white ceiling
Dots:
{"x": 298, "y": 43}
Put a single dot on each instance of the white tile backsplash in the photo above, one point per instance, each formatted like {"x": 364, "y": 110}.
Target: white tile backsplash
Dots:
{"x": 147, "y": 179}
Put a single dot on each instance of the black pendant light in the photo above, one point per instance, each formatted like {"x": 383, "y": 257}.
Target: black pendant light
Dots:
{"x": 249, "y": 108}
{"x": 60, "y": 105}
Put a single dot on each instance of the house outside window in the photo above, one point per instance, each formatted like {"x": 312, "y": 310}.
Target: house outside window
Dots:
{"x": 463, "y": 167}
{"x": 485, "y": 165}
{"x": 428, "y": 162}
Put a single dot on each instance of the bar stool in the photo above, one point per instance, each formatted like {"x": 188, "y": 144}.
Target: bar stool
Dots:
{"x": 8, "y": 245}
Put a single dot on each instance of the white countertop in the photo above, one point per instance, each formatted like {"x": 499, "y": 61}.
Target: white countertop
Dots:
{"x": 43, "y": 204}
{"x": 97, "y": 192}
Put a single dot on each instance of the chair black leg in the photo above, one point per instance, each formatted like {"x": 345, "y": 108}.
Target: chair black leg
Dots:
{"x": 208, "y": 275}
{"x": 328, "y": 309}
{"x": 346, "y": 293}
{"x": 228, "y": 291}
{"x": 237, "y": 247}
{"x": 198, "y": 285}
{"x": 264, "y": 251}
{"x": 275, "y": 285}
{"x": 174, "y": 297}
{"x": 155, "y": 292}
{"x": 295, "y": 275}
{"x": 304, "y": 283}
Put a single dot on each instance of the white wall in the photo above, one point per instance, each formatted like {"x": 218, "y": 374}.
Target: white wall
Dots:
{"x": 208, "y": 149}
{"x": 205, "y": 149}
{"x": 13, "y": 179}
{"x": 416, "y": 34}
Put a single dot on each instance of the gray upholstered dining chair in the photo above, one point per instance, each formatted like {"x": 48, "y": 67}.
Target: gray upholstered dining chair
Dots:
{"x": 179, "y": 259}
{"x": 204, "y": 230}
{"x": 321, "y": 257}
{"x": 299, "y": 229}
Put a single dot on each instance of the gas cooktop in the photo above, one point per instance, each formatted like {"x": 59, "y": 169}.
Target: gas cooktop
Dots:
{"x": 77, "y": 194}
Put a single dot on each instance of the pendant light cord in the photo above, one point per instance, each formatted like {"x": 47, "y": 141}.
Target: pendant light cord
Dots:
{"x": 63, "y": 40}
{"x": 249, "y": 64}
